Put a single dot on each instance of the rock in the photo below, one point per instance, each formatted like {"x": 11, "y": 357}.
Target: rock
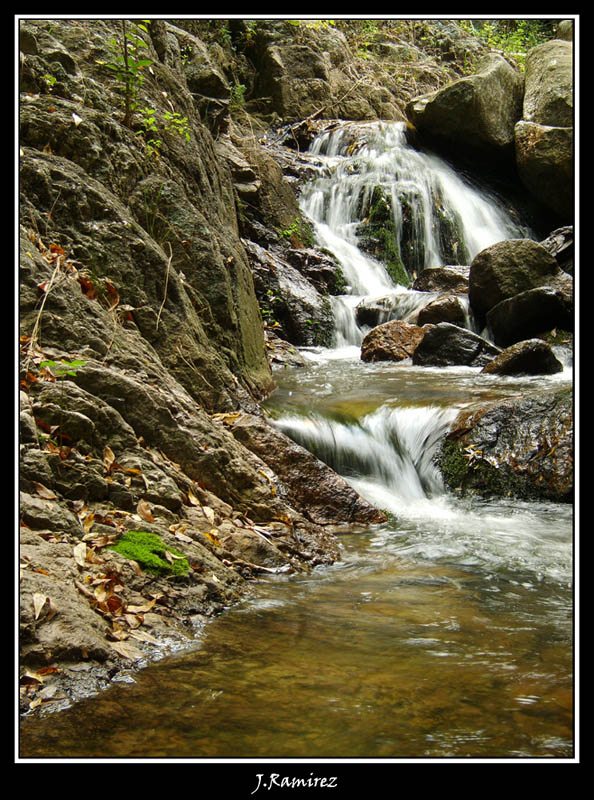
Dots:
{"x": 320, "y": 493}
{"x": 452, "y": 279}
{"x": 548, "y": 94}
{"x": 303, "y": 315}
{"x": 392, "y": 341}
{"x": 530, "y": 357}
{"x": 544, "y": 135}
{"x": 530, "y": 313}
{"x": 521, "y": 447}
{"x": 373, "y": 311}
{"x": 475, "y": 113}
{"x": 445, "y": 308}
{"x": 505, "y": 269}
{"x": 446, "y": 345}
{"x": 559, "y": 243}
{"x": 281, "y": 353}
{"x": 544, "y": 157}
{"x": 565, "y": 30}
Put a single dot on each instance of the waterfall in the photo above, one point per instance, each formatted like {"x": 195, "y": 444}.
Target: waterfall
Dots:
{"x": 429, "y": 214}
{"x": 388, "y": 454}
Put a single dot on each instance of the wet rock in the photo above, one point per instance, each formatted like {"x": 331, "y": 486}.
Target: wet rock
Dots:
{"x": 559, "y": 243}
{"x": 447, "y": 345}
{"x": 521, "y": 447}
{"x": 452, "y": 279}
{"x": 304, "y": 316}
{"x": 529, "y": 314}
{"x": 392, "y": 341}
{"x": 320, "y": 493}
{"x": 506, "y": 269}
{"x": 445, "y": 308}
{"x": 530, "y": 357}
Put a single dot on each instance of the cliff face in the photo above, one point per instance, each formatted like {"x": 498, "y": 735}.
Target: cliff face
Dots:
{"x": 141, "y": 339}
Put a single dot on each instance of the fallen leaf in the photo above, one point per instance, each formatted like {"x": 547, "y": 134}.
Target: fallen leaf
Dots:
{"x": 209, "y": 514}
{"x": 80, "y": 554}
{"x": 141, "y": 609}
{"x": 126, "y": 650}
{"x": 144, "y": 637}
{"x": 76, "y": 119}
{"x": 144, "y": 509}
{"x": 43, "y": 491}
{"x": 108, "y": 459}
{"x": 39, "y": 602}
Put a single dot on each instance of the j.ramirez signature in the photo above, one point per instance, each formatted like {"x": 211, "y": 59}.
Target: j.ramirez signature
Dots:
{"x": 276, "y": 781}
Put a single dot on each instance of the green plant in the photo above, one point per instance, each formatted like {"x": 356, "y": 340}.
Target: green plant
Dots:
{"x": 128, "y": 62}
{"x": 148, "y": 125}
{"x": 151, "y": 553}
{"x": 60, "y": 369}
{"x": 237, "y": 95}
{"x": 175, "y": 123}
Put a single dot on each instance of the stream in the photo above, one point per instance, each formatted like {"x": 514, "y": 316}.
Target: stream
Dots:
{"x": 444, "y": 633}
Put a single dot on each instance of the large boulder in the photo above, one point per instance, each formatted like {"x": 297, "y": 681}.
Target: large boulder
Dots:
{"x": 392, "y": 341}
{"x": 505, "y": 269}
{"x": 544, "y": 135}
{"x": 446, "y": 345}
{"x": 450, "y": 278}
{"x": 521, "y": 447}
{"x": 476, "y": 113}
{"x": 530, "y": 313}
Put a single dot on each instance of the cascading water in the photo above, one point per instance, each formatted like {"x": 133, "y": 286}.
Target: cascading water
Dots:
{"x": 445, "y": 632}
{"x": 435, "y": 218}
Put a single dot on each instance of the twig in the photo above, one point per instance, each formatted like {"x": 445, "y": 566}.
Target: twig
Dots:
{"x": 166, "y": 282}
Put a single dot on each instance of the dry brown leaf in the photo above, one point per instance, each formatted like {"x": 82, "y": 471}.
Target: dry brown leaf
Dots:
{"x": 142, "y": 636}
{"x": 108, "y": 458}
{"x": 126, "y": 650}
{"x": 192, "y": 498}
{"x": 143, "y": 508}
{"x": 141, "y": 609}
{"x": 39, "y": 602}
{"x": 43, "y": 491}
{"x": 80, "y": 554}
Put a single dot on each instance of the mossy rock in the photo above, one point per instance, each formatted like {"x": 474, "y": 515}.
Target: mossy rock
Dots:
{"x": 149, "y": 550}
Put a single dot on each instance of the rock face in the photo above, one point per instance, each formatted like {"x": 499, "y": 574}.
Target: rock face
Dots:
{"x": 392, "y": 341}
{"x": 544, "y": 135}
{"x": 141, "y": 333}
{"x": 521, "y": 447}
{"x": 478, "y": 112}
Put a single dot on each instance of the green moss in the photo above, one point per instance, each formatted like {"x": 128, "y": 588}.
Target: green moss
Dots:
{"x": 148, "y": 550}
{"x": 377, "y": 236}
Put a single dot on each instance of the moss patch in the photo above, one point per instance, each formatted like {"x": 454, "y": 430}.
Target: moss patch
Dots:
{"x": 149, "y": 551}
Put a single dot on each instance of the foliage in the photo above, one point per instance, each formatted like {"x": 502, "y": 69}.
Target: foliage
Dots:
{"x": 151, "y": 553}
{"x": 127, "y": 63}
{"x": 175, "y": 123}
{"x": 237, "y": 95}
{"x": 514, "y": 36}
{"x": 62, "y": 368}
{"x": 298, "y": 230}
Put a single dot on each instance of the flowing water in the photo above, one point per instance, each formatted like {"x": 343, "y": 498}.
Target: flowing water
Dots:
{"x": 444, "y": 633}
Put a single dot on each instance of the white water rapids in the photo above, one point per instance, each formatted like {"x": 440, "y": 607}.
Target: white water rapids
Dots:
{"x": 423, "y": 190}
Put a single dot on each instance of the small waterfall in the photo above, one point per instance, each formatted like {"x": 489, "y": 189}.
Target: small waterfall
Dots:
{"x": 436, "y": 218}
{"x": 387, "y": 455}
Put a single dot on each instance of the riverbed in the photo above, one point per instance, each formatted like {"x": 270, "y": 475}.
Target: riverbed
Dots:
{"x": 446, "y": 632}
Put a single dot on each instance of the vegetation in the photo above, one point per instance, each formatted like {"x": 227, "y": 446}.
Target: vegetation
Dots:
{"x": 514, "y": 36}
{"x": 150, "y": 552}
{"x": 128, "y": 63}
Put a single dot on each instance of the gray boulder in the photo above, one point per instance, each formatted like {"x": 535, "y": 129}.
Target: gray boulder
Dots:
{"x": 506, "y": 269}
{"x": 477, "y": 112}
{"x": 544, "y": 136}
{"x": 530, "y": 313}
{"x": 446, "y": 345}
